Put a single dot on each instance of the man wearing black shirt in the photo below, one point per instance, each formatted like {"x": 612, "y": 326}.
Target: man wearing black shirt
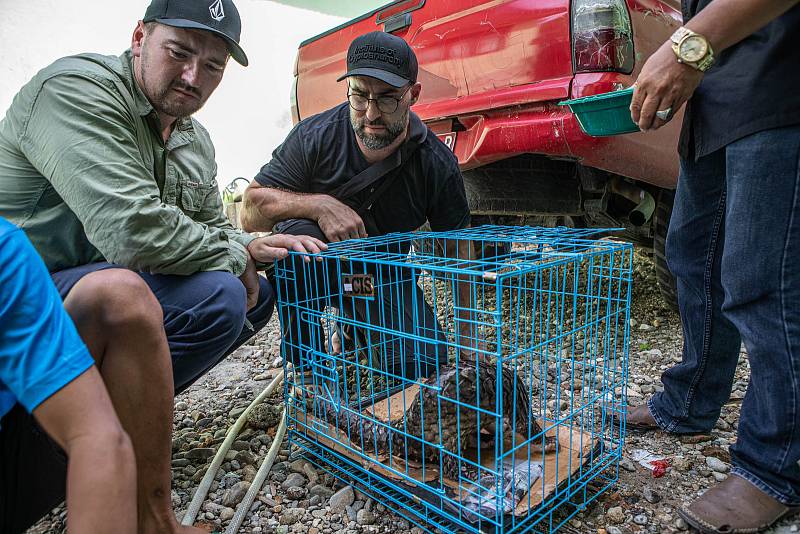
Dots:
{"x": 315, "y": 185}
{"x": 734, "y": 246}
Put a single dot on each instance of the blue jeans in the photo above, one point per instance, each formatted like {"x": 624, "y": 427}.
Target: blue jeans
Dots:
{"x": 204, "y": 315}
{"x": 734, "y": 247}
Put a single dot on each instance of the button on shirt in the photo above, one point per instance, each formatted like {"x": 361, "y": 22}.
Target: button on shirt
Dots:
{"x": 752, "y": 86}
{"x": 85, "y": 172}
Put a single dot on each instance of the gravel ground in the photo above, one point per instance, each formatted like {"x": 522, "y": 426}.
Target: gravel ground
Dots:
{"x": 298, "y": 498}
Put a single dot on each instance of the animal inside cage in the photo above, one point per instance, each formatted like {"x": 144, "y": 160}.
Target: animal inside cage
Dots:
{"x": 465, "y": 394}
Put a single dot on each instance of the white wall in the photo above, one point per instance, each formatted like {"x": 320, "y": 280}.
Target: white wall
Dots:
{"x": 248, "y": 115}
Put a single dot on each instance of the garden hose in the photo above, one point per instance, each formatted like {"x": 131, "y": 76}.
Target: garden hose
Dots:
{"x": 205, "y": 484}
{"x": 258, "y": 481}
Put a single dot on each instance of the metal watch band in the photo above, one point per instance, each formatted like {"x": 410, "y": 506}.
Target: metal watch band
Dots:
{"x": 679, "y": 34}
{"x": 704, "y": 64}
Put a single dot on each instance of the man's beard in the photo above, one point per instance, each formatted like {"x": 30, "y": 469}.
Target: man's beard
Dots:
{"x": 162, "y": 98}
{"x": 379, "y": 141}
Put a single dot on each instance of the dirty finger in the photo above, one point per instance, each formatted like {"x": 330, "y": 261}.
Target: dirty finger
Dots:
{"x": 648, "y": 112}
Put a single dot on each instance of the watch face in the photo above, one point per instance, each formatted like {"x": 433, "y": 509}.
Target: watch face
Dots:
{"x": 693, "y": 49}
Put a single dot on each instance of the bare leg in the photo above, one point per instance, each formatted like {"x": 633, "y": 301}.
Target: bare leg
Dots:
{"x": 121, "y": 322}
{"x": 101, "y": 477}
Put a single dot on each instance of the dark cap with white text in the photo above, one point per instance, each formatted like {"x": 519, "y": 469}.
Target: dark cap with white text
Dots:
{"x": 383, "y": 56}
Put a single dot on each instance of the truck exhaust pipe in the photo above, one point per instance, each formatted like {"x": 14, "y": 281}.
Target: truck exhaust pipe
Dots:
{"x": 645, "y": 203}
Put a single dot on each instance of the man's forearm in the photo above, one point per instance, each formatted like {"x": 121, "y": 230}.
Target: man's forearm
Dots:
{"x": 265, "y": 206}
{"x": 726, "y": 22}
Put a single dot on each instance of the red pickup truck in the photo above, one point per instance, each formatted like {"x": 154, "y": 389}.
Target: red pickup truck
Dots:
{"x": 492, "y": 74}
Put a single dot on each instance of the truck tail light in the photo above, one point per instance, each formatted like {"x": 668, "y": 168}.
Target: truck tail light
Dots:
{"x": 602, "y": 39}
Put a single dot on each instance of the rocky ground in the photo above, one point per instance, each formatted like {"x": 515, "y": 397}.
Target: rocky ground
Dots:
{"x": 299, "y": 498}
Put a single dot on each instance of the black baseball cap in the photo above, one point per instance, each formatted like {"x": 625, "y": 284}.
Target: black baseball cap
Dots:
{"x": 216, "y": 16}
{"x": 383, "y": 56}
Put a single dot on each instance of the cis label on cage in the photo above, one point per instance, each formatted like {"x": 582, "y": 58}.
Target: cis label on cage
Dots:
{"x": 358, "y": 285}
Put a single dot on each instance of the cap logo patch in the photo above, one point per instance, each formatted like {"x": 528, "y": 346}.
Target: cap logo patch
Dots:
{"x": 216, "y": 10}
{"x": 375, "y": 53}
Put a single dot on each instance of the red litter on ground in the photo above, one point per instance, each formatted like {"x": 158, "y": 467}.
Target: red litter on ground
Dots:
{"x": 658, "y": 465}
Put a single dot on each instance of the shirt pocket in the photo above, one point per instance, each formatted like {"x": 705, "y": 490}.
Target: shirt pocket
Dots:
{"x": 193, "y": 195}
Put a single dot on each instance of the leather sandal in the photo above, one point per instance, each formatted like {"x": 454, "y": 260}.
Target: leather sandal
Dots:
{"x": 734, "y": 506}
{"x": 640, "y": 419}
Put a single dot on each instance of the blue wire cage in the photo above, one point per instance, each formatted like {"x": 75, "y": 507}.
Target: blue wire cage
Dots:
{"x": 471, "y": 380}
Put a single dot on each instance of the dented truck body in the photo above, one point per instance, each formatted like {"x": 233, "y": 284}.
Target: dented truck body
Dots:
{"x": 492, "y": 74}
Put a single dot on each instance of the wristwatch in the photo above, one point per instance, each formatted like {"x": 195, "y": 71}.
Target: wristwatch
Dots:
{"x": 692, "y": 49}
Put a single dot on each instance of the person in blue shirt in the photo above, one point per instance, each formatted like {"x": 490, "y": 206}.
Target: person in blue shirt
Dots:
{"x": 48, "y": 382}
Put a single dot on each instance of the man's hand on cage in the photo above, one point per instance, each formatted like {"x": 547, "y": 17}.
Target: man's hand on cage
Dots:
{"x": 337, "y": 221}
{"x": 277, "y": 246}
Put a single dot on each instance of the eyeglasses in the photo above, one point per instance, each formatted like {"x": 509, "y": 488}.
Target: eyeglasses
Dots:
{"x": 386, "y": 104}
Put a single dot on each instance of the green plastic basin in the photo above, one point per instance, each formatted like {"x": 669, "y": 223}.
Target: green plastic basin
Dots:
{"x": 604, "y": 114}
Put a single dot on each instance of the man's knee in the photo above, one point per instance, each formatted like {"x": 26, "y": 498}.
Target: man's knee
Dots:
{"x": 686, "y": 251}
{"x": 749, "y": 280}
{"x": 112, "y": 299}
{"x": 215, "y": 304}
{"x": 204, "y": 316}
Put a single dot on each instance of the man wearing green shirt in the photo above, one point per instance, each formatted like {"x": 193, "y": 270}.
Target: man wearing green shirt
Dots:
{"x": 115, "y": 184}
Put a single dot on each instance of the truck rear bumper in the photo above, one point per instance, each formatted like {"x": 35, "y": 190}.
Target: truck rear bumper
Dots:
{"x": 553, "y": 131}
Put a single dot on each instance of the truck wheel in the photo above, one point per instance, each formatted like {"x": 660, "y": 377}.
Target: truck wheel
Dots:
{"x": 666, "y": 281}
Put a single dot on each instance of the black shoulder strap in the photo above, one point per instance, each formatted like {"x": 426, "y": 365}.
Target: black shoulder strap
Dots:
{"x": 367, "y": 177}
{"x": 384, "y": 185}
{"x": 376, "y": 171}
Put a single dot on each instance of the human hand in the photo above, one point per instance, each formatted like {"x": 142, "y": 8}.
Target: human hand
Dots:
{"x": 663, "y": 84}
{"x": 338, "y": 222}
{"x": 277, "y": 247}
{"x": 250, "y": 281}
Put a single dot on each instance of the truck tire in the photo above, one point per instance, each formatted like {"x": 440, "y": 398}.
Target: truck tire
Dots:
{"x": 666, "y": 281}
